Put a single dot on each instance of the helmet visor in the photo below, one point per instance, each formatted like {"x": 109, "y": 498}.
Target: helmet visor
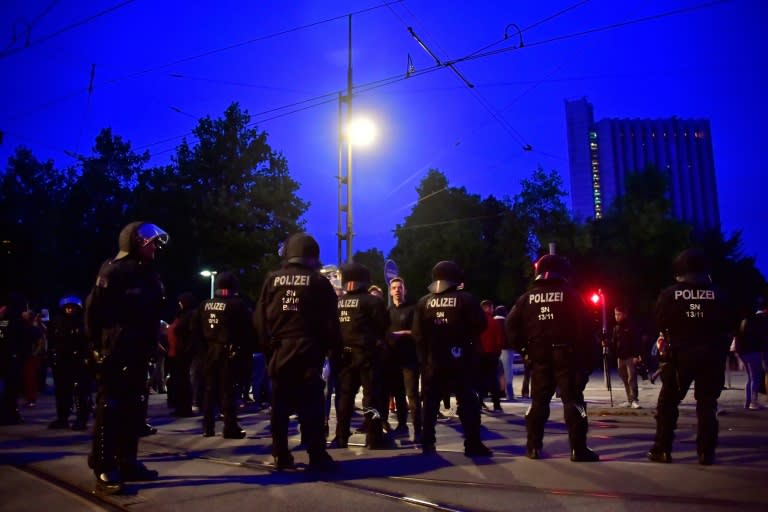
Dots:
{"x": 150, "y": 233}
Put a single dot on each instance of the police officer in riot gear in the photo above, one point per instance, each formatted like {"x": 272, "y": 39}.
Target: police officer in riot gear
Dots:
{"x": 298, "y": 326}
{"x": 363, "y": 319}
{"x": 224, "y": 326}
{"x": 122, "y": 319}
{"x": 695, "y": 320}
{"x": 69, "y": 355}
{"x": 446, "y": 324}
{"x": 549, "y": 326}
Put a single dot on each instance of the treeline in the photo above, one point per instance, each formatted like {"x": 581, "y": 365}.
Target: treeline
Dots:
{"x": 228, "y": 201}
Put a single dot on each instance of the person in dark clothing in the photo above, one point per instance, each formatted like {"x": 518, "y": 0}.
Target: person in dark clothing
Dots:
{"x": 16, "y": 338}
{"x": 297, "y": 323}
{"x": 548, "y": 326}
{"x": 404, "y": 361}
{"x": 122, "y": 320}
{"x": 363, "y": 321}
{"x": 626, "y": 344}
{"x": 224, "y": 326}
{"x": 750, "y": 342}
{"x": 695, "y": 319}
{"x": 69, "y": 355}
{"x": 447, "y": 322}
{"x": 488, "y": 354}
{"x": 181, "y": 350}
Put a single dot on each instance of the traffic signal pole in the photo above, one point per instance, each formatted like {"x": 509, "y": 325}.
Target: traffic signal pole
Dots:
{"x": 604, "y": 344}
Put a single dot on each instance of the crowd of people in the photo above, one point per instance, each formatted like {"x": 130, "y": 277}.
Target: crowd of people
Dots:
{"x": 317, "y": 335}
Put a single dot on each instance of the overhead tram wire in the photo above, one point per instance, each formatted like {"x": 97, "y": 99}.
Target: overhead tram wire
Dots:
{"x": 400, "y": 77}
{"x": 13, "y": 51}
{"x": 159, "y": 67}
{"x": 535, "y": 24}
{"x": 603, "y": 28}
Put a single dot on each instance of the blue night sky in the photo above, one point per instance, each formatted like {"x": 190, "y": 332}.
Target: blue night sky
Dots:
{"x": 159, "y": 66}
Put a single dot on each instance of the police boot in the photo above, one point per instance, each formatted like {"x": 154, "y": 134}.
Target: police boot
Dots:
{"x": 233, "y": 431}
{"x": 109, "y": 482}
{"x": 321, "y": 462}
{"x": 533, "y": 451}
{"x": 706, "y": 458}
{"x": 147, "y": 430}
{"x": 476, "y": 449}
{"x": 375, "y": 439}
{"x": 339, "y": 442}
{"x": 137, "y": 472}
{"x": 284, "y": 461}
{"x": 584, "y": 454}
{"x": 208, "y": 428}
{"x": 657, "y": 454}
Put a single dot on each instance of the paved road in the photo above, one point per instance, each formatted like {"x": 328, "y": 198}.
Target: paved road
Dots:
{"x": 43, "y": 469}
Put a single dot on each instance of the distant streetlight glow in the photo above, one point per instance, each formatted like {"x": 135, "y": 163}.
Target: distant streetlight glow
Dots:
{"x": 211, "y": 274}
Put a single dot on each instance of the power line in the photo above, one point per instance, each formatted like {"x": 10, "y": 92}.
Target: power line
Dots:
{"x": 197, "y": 56}
{"x": 319, "y": 100}
{"x": 57, "y": 33}
{"x": 400, "y": 77}
{"x": 603, "y": 28}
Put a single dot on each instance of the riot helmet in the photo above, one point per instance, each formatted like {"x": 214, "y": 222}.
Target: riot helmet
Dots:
{"x": 691, "y": 263}
{"x": 70, "y": 300}
{"x": 302, "y": 249}
{"x": 139, "y": 234}
{"x": 355, "y": 277}
{"x": 552, "y": 267}
{"x": 226, "y": 284}
{"x": 445, "y": 275}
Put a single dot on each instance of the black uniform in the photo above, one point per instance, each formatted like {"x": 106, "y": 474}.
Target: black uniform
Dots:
{"x": 122, "y": 316}
{"x": 16, "y": 335}
{"x": 181, "y": 351}
{"x": 68, "y": 353}
{"x": 548, "y": 325}
{"x": 695, "y": 319}
{"x": 297, "y": 323}
{"x": 225, "y": 327}
{"x": 446, "y": 324}
{"x": 363, "y": 319}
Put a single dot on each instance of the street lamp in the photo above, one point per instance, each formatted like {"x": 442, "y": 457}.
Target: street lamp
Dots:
{"x": 351, "y": 131}
{"x": 211, "y": 274}
{"x": 355, "y": 132}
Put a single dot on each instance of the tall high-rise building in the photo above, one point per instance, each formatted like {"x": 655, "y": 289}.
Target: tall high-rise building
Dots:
{"x": 602, "y": 153}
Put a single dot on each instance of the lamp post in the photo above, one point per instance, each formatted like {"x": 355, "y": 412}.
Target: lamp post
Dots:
{"x": 211, "y": 274}
{"x": 351, "y": 131}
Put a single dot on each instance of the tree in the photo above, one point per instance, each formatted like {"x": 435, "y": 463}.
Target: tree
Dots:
{"x": 30, "y": 196}
{"x": 374, "y": 260}
{"x": 234, "y": 201}
{"x": 447, "y": 223}
{"x": 98, "y": 204}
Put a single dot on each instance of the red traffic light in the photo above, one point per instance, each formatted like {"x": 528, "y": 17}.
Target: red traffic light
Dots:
{"x": 595, "y": 298}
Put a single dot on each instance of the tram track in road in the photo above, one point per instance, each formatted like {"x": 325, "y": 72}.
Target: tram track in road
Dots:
{"x": 370, "y": 488}
{"x": 90, "y": 500}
